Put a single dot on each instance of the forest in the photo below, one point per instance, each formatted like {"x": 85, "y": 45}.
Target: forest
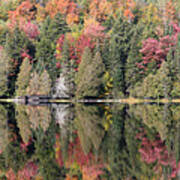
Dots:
{"x": 90, "y": 48}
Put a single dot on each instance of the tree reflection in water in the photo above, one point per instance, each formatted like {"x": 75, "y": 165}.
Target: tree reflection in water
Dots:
{"x": 90, "y": 142}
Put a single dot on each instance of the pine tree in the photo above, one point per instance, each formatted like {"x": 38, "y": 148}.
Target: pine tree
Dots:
{"x": 132, "y": 74}
{"x": 15, "y": 43}
{"x": 33, "y": 87}
{"x": 44, "y": 83}
{"x": 23, "y": 123}
{"x": 4, "y": 71}
{"x": 89, "y": 79}
{"x": 68, "y": 71}
{"x": 155, "y": 85}
{"x": 86, "y": 61}
{"x": 23, "y": 78}
{"x": 164, "y": 79}
{"x": 119, "y": 48}
{"x": 49, "y": 33}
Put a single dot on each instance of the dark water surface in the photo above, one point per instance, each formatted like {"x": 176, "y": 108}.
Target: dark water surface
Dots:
{"x": 90, "y": 142}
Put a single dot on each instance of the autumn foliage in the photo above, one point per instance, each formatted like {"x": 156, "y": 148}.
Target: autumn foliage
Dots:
{"x": 133, "y": 37}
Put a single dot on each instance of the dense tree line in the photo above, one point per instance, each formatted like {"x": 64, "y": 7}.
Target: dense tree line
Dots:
{"x": 136, "y": 43}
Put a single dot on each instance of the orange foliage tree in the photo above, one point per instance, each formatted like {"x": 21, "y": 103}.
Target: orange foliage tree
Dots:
{"x": 26, "y": 11}
{"x": 65, "y": 7}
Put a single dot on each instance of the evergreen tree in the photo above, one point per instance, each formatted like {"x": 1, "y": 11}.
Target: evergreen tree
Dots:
{"x": 23, "y": 123}
{"x": 4, "y": 71}
{"x": 132, "y": 74}
{"x": 68, "y": 71}
{"x": 33, "y": 86}
{"x": 89, "y": 78}
{"x": 3, "y": 128}
{"x": 155, "y": 86}
{"x": 164, "y": 79}
{"x": 39, "y": 84}
{"x": 49, "y": 33}
{"x": 15, "y": 43}
{"x": 119, "y": 48}
{"x": 44, "y": 83}
{"x": 23, "y": 78}
{"x": 85, "y": 61}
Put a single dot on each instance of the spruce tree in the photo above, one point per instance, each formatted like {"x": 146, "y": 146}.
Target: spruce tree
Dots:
{"x": 23, "y": 123}
{"x": 23, "y": 78}
{"x": 15, "y": 43}
{"x": 49, "y": 33}
{"x": 119, "y": 48}
{"x": 155, "y": 85}
{"x": 44, "y": 83}
{"x": 33, "y": 87}
{"x": 4, "y": 71}
{"x": 89, "y": 79}
{"x": 164, "y": 79}
{"x": 132, "y": 74}
{"x": 68, "y": 71}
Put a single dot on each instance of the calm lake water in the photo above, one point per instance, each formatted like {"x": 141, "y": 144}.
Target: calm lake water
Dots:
{"x": 90, "y": 142}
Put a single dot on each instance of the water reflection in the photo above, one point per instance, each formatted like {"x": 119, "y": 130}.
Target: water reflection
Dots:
{"x": 89, "y": 142}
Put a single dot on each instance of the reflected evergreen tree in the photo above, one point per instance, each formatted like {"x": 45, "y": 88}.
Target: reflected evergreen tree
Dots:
{"x": 89, "y": 125}
{"x": 45, "y": 154}
{"x": 114, "y": 145}
{"x": 39, "y": 117}
{"x": 3, "y": 127}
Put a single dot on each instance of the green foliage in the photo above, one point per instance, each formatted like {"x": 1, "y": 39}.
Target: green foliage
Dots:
{"x": 39, "y": 84}
{"x": 16, "y": 42}
{"x": 132, "y": 74}
{"x": 50, "y": 31}
{"x": 23, "y": 78}
{"x": 45, "y": 154}
{"x": 3, "y": 128}
{"x": 89, "y": 125}
{"x": 155, "y": 86}
{"x": 33, "y": 86}
{"x": 44, "y": 83}
{"x": 89, "y": 79}
{"x": 23, "y": 123}
{"x": 68, "y": 71}
{"x": 4, "y": 72}
{"x": 119, "y": 49}
{"x": 5, "y": 7}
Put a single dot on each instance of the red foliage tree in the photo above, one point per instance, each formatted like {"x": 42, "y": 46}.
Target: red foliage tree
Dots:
{"x": 157, "y": 50}
{"x": 76, "y": 47}
{"x": 26, "y": 11}
{"x": 31, "y": 30}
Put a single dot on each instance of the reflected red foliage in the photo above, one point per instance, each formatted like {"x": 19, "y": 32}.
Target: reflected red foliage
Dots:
{"x": 29, "y": 171}
{"x": 155, "y": 151}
